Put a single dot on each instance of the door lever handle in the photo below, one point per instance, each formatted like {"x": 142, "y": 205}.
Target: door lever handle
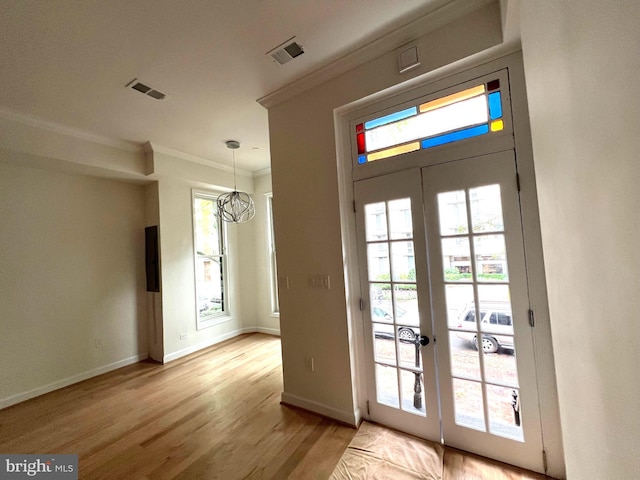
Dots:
{"x": 424, "y": 340}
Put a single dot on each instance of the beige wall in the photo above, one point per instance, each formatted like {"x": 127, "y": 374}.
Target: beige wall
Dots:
{"x": 178, "y": 277}
{"x": 307, "y": 218}
{"x": 72, "y": 265}
{"x": 266, "y": 320}
{"x": 582, "y": 68}
{"x": 72, "y": 272}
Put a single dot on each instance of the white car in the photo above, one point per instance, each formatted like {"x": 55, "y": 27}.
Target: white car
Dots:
{"x": 496, "y": 326}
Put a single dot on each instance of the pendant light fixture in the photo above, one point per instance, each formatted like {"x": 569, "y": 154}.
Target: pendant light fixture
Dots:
{"x": 235, "y": 207}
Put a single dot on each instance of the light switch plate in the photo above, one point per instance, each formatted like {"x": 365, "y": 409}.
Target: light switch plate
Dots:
{"x": 319, "y": 281}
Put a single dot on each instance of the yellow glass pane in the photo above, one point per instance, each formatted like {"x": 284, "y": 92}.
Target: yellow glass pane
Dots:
{"x": 392, "y": 152}
{"x": 449, "y": 99}
{"x": 497, "y": 125}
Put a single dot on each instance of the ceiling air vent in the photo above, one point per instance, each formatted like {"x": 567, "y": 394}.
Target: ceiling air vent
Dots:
{"x": 146, "y": 89}
{"x": 286, "y": 51}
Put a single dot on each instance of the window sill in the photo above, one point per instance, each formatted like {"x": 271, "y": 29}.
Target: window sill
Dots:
{"x": 212, "y": 321}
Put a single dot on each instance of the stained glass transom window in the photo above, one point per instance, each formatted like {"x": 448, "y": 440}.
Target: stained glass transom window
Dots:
{"x": 470, "y": 113}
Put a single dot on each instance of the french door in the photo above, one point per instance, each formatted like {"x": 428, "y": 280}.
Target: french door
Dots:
{"x": 449, "y": 348}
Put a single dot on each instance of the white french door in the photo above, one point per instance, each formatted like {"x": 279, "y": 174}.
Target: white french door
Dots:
{"x": 442, "y": 260}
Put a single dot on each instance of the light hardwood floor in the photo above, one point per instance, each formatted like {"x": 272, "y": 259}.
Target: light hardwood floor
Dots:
{"x": 214, "y": 414}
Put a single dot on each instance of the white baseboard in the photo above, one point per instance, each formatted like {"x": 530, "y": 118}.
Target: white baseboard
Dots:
{"x": 215, "y": 340}
{"x": 350, "y": 418}
{"x": 65, "y": 382}
{"x": 268, "y": 331}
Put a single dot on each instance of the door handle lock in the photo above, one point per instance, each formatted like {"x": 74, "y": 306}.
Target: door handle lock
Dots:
{"x": 424, "y": 340}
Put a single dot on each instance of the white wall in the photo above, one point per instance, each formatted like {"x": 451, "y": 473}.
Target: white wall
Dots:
{"x": 178, "y": 277}
{"x": 266, "y": 320}
{"x": 153, "y": 300}
{"x": 72, "y": 256}
{"x": 582, "y": 68}
{"x": 247, "y": 259}
{"x": 71, "y": 273}
{"x": 307, "y": 218}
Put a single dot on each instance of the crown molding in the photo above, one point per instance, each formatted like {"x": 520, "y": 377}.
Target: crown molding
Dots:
{"x": 37, "y": 122}
{"x": 261, "y": 172}
{"x": 155, "y": 148}
{"x": 429, "y": 22}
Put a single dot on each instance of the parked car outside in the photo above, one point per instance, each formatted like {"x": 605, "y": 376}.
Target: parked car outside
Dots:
{"x": 496, "y": 326}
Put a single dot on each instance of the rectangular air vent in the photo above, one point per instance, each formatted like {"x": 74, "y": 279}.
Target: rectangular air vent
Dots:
{"x": 146, "y": 89}
{"x": 286, "y": 51}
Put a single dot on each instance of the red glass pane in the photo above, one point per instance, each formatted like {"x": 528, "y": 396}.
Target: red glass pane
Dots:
{"x": 360, "y": 128}
{"x": 361, "y": 144}
{"x": 493, "y": 85}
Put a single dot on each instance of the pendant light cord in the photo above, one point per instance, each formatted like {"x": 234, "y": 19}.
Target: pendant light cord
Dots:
{"x": 235, "y": 186}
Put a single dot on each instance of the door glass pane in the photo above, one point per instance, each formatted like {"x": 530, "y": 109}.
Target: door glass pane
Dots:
{"x": 465, "y": 359}
{"x": 384, "y": 344}
{"x": 375, "y": 221}
{"x": 505, "y": 417}
{"x": 378, "y": 261}
{"x": 468, "y": 404}
{"x": 456, "y": 259}
{"x": 412, "y": 392}
{"x": 409, "y": 354}
{"x": 387, "y": 385}
{"x": 400, "y": 221}
{"x": 495, "y": 300}
{"x": 459, "y": 300}
{"x": 393, "y": 298}
{"x": 486, "y": 209}
{"x": 404, "y": 266}
{"x": 491, "y": 258}
{"x": 501, "y": 367}
{"x": 381, "y": 304}
{"x": 452, "y": 208}
{"x": 406, "y": 302}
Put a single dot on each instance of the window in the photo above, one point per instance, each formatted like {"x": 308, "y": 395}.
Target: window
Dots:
{"x": 464, "y": 114}
{"x": 275, "y": 306}
{"x": 210, "y": 264}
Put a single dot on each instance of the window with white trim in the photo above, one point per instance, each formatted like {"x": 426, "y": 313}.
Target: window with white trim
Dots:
{"x": 210, "y": 261}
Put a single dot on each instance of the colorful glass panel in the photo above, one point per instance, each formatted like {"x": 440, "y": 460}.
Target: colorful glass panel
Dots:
{"x": 495, "y": 106}
{"x": 497, "y": 125}
{"x": 392, "y": 152}
{"x": 493, "y": 85}
{"x": 466, "y": 114}
{"x": 455, "y": 136}
{"x": 361, "y": 143}
{"x": 453, "y": 98}
{"x": 393, "y": 117}
{"x": 450, "y": 117}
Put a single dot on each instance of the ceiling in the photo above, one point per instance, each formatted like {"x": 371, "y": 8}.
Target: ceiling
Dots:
{"x": 67, "y": 62}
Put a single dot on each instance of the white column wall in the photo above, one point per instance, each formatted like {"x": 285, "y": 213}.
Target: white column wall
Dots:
{"x": 582, "y": 68}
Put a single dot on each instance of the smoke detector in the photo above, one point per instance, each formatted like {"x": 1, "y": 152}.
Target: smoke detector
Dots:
{"x": 146, "y": 89}
{"x": 285, "y": 52}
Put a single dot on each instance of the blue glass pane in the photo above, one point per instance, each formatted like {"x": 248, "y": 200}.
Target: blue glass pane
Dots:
{"x": 393, "y": 117}
{"x": 455, "y": 136}
{"x": 495, "y": 105}
{"x": 362, "y": 159}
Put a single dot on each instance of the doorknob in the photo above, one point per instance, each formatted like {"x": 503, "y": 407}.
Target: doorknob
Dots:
{"x": 424, "y": 340}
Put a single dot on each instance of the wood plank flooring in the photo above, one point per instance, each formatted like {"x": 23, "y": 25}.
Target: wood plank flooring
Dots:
{"x": 214, "y": 414}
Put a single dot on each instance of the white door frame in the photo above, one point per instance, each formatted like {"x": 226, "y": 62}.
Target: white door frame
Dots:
{"x": 543, "y": 350}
